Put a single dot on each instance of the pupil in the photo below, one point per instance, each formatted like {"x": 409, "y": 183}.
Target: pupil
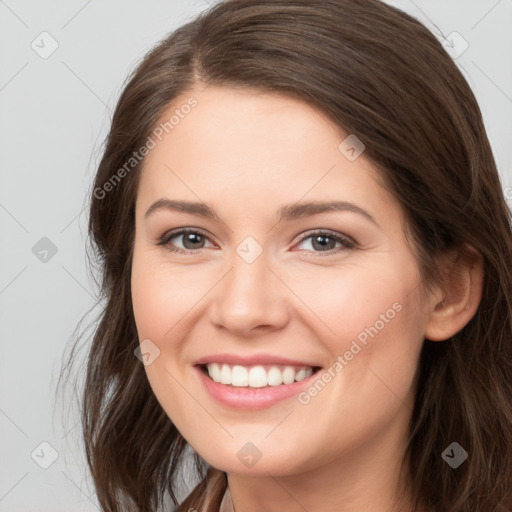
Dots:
{"x": 322, "y": 245}
{"x": 192, "y": 238}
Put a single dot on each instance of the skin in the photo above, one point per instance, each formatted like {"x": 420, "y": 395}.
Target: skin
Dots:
{"x": 248, "y": 153}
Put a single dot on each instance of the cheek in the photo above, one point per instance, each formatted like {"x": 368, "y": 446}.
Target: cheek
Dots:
{"x": 149, "y": 300}
{"x": 374, "y": 333}
{"x": 161, "y": 296}
{"x": 360, "y": 303}
{"x": 370, "y": 378}
{"x": 160, "y": 300}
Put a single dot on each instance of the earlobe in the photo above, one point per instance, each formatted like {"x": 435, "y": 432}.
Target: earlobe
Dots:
{"x": 460, "y": 294}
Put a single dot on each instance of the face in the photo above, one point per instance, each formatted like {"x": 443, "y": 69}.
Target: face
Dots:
{"x": 271, "y": 289}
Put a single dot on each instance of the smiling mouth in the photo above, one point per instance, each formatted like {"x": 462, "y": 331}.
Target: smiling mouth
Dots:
{"x": 256, "y": 376}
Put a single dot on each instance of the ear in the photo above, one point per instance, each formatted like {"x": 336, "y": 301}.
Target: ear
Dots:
{"x": 456, "y": 301}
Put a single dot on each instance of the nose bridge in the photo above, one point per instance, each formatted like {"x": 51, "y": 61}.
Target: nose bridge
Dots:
{"x": 250, "y": 295}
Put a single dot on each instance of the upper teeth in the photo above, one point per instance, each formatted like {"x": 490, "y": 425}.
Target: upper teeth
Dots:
{"x": 256, "y": 376}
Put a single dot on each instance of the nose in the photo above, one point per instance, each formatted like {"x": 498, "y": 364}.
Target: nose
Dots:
{"x": 250, "y": 299}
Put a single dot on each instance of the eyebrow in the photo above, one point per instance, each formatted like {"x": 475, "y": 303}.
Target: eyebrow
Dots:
{"x": 287, "y": 212}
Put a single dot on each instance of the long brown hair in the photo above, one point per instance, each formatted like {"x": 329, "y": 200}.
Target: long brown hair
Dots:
{"x": 379, "y": 74}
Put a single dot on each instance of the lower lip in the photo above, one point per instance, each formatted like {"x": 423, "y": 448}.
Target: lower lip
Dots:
{"x": 251, "y": 398}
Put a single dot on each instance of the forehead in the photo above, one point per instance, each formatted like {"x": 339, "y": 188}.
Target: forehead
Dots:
{"x": 253, "y": 147}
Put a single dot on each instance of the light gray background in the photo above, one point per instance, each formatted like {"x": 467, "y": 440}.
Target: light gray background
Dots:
{"x": 55, "y": 113}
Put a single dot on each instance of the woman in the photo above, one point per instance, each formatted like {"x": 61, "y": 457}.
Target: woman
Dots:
{"x": 305, "y": 243}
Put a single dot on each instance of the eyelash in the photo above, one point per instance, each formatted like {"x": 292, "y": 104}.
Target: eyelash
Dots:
{"x": 345, "y": 241}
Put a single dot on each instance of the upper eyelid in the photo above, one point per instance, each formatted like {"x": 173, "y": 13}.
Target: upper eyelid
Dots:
{"x": 182, "y": 231}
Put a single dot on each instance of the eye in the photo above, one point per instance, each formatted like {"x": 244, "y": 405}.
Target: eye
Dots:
{"x": 191, "y": 239}
{"x": 323, "y": 241}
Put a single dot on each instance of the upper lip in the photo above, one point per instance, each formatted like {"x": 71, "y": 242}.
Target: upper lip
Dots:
{"x": 253, "y": 360}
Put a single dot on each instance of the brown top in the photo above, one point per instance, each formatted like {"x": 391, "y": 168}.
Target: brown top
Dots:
{"x": 226, "y": 504}
{"x": 210, "y": 495}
